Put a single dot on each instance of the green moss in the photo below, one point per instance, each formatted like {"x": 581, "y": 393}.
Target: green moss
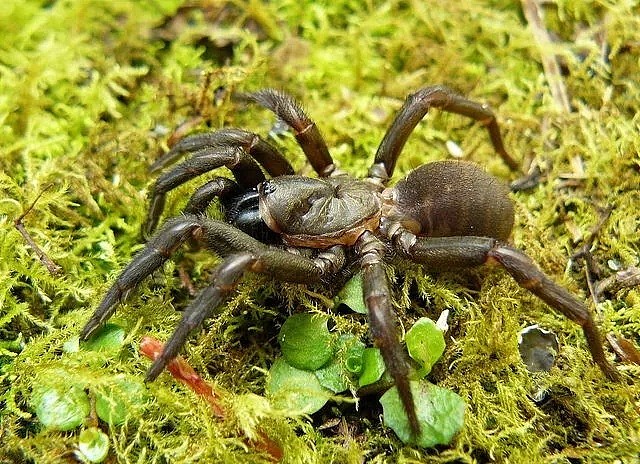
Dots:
{"x": 89, "y": 91}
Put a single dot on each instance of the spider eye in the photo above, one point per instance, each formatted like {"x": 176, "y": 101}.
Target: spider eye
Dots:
{"x": 266, "y": 188}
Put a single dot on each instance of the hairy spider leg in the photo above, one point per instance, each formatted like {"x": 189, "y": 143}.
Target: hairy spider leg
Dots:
{"x": 241, "y": 253}
{"x": 265, "y": 153}
{"x": 383, "y": 321}
{"x": 278, "y": 263}
{"x": 204, "y": 305}
{"x": 444, "y": 253}
{"x": 234, "y": 148}
{"x": 158, "y": 250}
{"x": 306, "y": 131}
{"x": 529, "y": 276}
{"x": 244, "y": 168}
{"x": 218, "y": 187}
{"x": 415, "y": 108}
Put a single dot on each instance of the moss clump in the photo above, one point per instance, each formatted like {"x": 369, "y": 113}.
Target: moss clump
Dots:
{"x": 90, "y": 92}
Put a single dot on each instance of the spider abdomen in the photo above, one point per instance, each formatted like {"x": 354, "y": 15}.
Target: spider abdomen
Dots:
{"x": 451, "y": 198}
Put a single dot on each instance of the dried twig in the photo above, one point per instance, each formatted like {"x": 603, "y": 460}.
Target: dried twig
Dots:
{"x": 186, "y": 280}
{"x": 533, "y": 14}
{"x": 625, "y": 278}
{"x": 52, "y": 267}
{"x": 591, "y": 268}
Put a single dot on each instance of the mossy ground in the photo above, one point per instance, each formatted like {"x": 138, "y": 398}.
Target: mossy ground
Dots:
{"x": 90, "y": 90}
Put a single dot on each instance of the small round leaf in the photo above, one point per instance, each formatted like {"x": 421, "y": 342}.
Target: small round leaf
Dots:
{"x": 305, "y": 341}
{"x": 425, "y": 343}
{"x": 353, "y": 356}
{"x": 61, "y": 407}
{"x": 333, "y": 377}
{"x": 93, "y": 445}
{"x": 115, "y": 402}
{"x": 108, "y": 338}
{"x": 372, "y": 366}
{"x": 351, "y": 295}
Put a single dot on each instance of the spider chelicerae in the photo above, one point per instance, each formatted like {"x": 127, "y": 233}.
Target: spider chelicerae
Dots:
{"x": 443, "y": 215}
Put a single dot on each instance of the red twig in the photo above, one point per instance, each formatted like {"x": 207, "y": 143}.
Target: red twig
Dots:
{"x": 182, "y": 371}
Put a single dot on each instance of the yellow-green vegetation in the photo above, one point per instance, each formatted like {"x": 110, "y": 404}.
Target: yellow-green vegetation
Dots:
{"x": 90, "y": 92}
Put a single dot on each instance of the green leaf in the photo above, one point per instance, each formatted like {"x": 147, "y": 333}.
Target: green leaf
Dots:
{"x": 108, "y": 338}
{"x": 353, "y": 355}
{"x": 333, "y": 376}
{"x": 295, "y": 390}
{"x": 372, "y": 366}
{"x": 351, "y": 295}
{"x": 339, "y": 373}
{"x": 305, "y": 341}
{"x": 93, "y": 445}
{"x": 117, "y": 400}
{"x": 60, "y": 406}
{"x": 440, "y": 414}
{"x": 425, "y": 343}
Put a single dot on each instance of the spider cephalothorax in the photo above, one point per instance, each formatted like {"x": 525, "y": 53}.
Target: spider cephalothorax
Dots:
{"x": 443, "y": 215}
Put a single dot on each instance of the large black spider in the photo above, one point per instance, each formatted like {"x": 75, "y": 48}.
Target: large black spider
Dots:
{"x": 443, "y": 215}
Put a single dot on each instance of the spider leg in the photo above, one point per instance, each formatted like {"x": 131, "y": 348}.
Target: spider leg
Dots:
{"x": 526, "y": 273}
{"x": 278, "y": 263}
{"x": 445, "y": 253}
{"x": 415, "y": 108}
{"x": 219, "y": 187}
{"x": 306, "y": 131}
{"x": 383, "y": 321}
{"x": 156, "y": 252}
{"x": 244, "y": 168}
{"x": 267, "y": 155}
{"x": 241, "y": 253}
{"x": 205, "y": 303}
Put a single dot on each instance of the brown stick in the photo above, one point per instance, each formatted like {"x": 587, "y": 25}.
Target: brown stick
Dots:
{"x": 52, "y": 267}
{"x": 591, "y": 268}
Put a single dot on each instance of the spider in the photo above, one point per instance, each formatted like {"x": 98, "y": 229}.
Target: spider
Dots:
{"x": 443, "y": 215}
